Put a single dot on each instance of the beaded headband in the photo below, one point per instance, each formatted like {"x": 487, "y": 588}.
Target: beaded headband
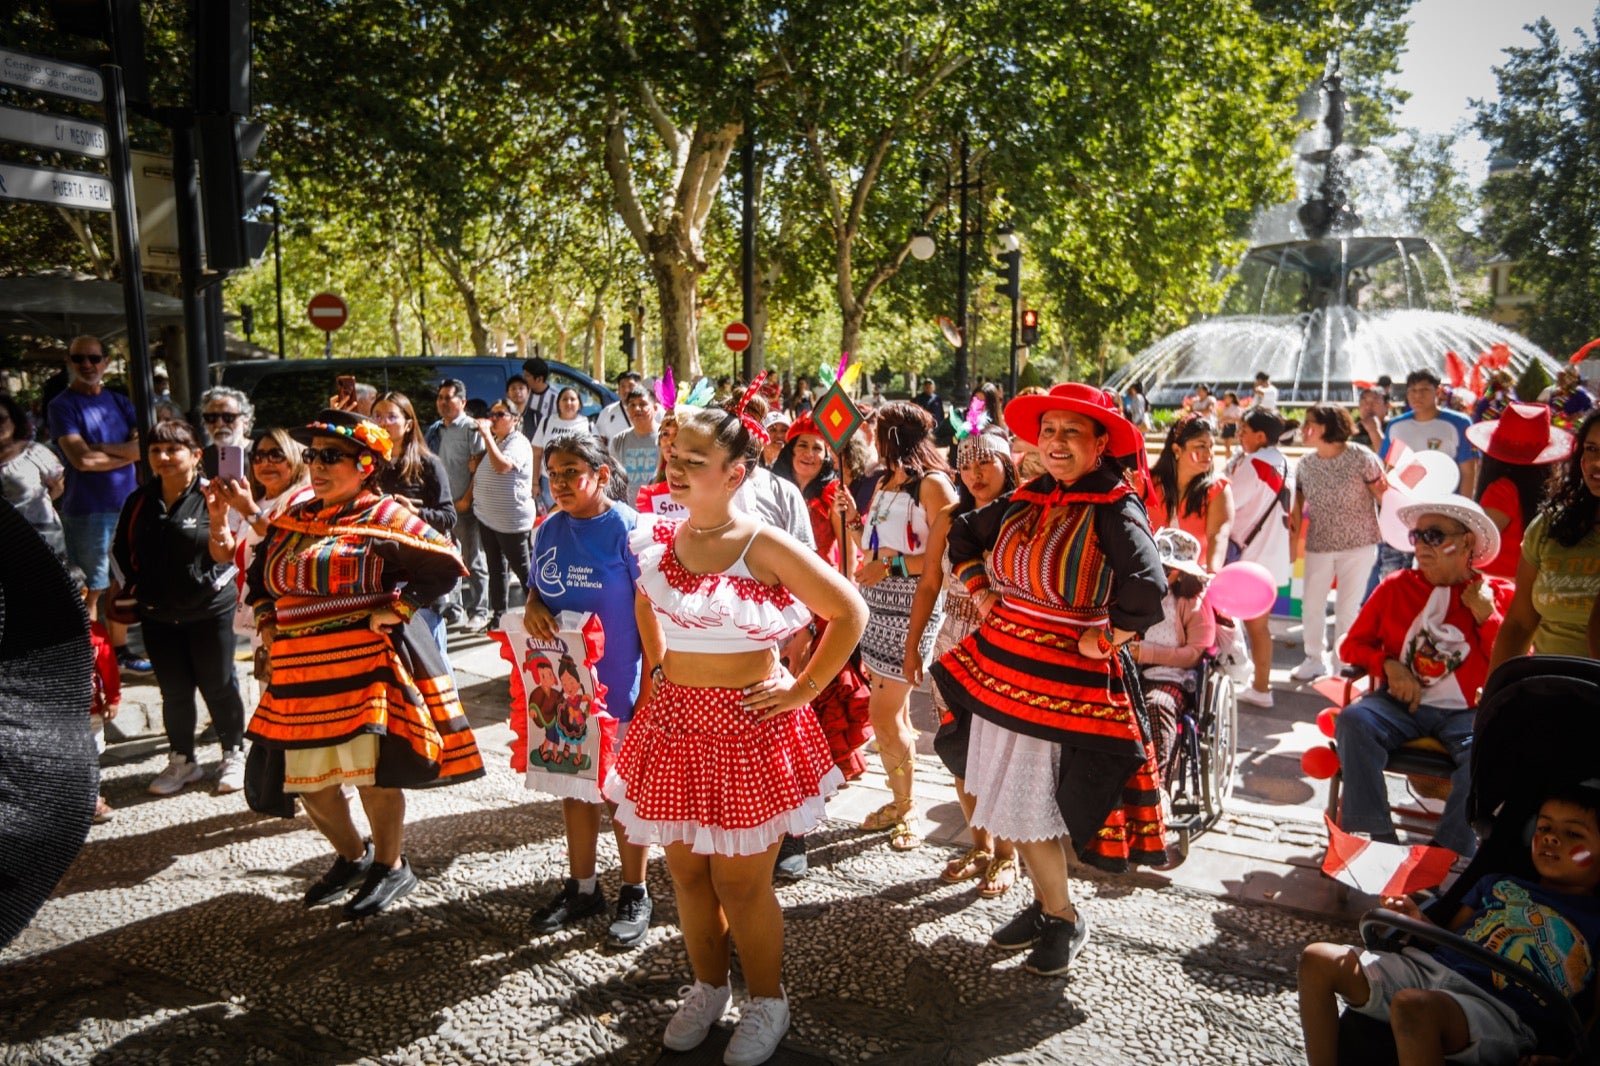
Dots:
{"x": 976, "y": 447}
{"x": 367, "y": 434}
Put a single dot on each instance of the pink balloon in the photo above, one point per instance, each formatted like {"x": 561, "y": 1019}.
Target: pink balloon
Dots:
{"x": 1243, "y": 590}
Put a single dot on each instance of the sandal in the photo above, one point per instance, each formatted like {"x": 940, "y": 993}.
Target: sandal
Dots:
{"x": 888, "y": 816}
{"x": 998, "y": 878}
{"x": 972, "y": 864}
{"x": 905, "y": 836}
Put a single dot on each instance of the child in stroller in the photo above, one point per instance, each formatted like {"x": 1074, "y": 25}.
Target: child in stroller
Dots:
{"x": 1444, "y": 1004}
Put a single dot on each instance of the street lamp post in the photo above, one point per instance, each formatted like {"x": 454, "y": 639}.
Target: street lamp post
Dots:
{"x": 923, "y": 248}
{"x": 1010, "y": 255}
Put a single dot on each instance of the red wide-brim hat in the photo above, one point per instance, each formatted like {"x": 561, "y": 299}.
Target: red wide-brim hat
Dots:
{"x": 1522, "y": 435}
{"x": 1024, "y": 414}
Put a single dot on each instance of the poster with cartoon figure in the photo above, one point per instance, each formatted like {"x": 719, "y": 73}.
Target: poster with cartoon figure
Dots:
{"x": 564, "y": 736}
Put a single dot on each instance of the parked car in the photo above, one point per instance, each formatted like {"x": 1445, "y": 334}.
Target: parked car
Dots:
{"x": 288, "y": 392}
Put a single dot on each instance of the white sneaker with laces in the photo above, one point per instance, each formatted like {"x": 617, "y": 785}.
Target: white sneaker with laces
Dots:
{"x": 181, "y": 770}
{"x": 1254, "y": 698}
{"x": 230, "y": 775}
{"x": 1310, "y": 670}
{"x": 702, "y": 1007}
{"x": 762, "y": 1023}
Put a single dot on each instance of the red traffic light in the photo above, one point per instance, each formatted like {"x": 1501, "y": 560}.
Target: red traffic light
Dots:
{"x": 1030, "y": 328}
{"x": 1030, "y": 319}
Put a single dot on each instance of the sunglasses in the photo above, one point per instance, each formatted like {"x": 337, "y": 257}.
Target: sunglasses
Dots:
{"x": 329, "y": 456}
{"x": 82, "y": 358}
{"x": 229, "y": 417}
{"x": 269, "y": 455}
{"x": 1433, "y": 536}
{"x": 499, "y": 414}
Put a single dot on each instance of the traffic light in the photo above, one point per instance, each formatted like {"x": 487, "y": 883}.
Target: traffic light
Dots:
{"x": 627, "y": 341}
{"x": 117, "y": 23}
{"x": 222, "y": 56}
{"x": 229, "y": 193}
{"x": 1008, "y": 267}
{"x": 247, "y": 320}
{"x": 1030, "y": 328}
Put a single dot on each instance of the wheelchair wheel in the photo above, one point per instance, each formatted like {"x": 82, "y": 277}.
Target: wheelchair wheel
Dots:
{"x": 1218, "y": 730}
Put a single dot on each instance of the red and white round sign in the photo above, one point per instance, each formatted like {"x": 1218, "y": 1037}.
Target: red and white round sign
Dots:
{"x": 327, "y": 312}
{"x": 736, "y": 336}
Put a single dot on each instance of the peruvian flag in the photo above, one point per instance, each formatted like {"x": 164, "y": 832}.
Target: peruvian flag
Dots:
{"x": 1383, "y": 869}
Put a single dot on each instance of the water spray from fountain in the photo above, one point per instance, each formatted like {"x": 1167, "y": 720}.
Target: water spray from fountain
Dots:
{"x": 1335, "y": 309}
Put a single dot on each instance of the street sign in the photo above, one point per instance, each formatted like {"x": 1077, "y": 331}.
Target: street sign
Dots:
{"x": 327, "y": 312}
{"x": 53, "y": 132}
{"x": 46, "y": 75}
{"x": 736, "y": 336}
{"x": 62, "y": 188}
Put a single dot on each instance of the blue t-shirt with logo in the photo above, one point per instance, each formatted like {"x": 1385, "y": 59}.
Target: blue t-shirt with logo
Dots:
{"x": 1552, "y": 933}
{"x": 584, "y": 564}
{"x": 107, "y": 417}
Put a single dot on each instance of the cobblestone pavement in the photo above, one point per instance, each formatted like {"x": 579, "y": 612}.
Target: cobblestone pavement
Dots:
{"x": 179, "y": 936}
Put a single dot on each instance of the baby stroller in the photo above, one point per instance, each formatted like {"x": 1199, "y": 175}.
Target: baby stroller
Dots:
{"x": 1537, "y": 727}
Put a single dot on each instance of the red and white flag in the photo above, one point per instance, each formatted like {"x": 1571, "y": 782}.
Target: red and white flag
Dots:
{"x": 1380, "y": 869}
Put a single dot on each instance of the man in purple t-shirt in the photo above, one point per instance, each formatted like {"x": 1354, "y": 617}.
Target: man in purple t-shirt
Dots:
{"x": 97, "y": 433}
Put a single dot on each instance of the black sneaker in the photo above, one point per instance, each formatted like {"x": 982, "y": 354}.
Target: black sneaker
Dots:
{"x": 341, "y": 877}
{"x": 1023, "y": 931}
{"x": 571, "y": 906}
{"x": 792, "y": 862}
{"x": 633, "y": 918}
{"x": 1059, "y": 943}
{"x": 382, "y": 887}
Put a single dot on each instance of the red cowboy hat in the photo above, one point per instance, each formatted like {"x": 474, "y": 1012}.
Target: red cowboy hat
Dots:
{"x": 1522, "y": 435}
{"x": 803, "y": 425}
{"x": 1024, "y": 414}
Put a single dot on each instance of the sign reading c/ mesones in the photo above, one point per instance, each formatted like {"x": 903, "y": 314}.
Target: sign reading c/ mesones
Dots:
{"x": 53, "y": 131}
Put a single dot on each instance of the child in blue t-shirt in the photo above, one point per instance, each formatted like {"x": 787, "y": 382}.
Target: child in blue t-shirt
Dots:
{"x": 1443, "y": 1004}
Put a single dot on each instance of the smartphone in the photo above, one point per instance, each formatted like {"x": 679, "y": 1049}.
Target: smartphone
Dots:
{"x": 346, "y": 384}
{"x": 230, "y": 462}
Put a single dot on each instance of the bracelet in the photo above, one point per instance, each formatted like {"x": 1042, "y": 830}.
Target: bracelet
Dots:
{"x": 807, "y": 679}
{"x": 1101, "y": 644}
{"x": 657, "y": 674}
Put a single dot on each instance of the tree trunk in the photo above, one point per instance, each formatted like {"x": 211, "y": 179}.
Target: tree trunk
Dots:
{"x": 394, "y": 323}
{"x": 850, "y": 335}
{"x": 469, "y": 299}
{"x": 676, "y": 292}
{"x": 597, "y": 346}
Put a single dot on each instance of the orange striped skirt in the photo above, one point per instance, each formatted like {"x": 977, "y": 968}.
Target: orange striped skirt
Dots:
{"x": 330, "y": 687}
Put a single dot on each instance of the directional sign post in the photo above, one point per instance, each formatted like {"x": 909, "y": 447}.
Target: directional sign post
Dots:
{"x": 46, "y": 75}
{"x": 327, "y": 312}
{"x": 54, "y": 132}
{"x": 62, "y": 188}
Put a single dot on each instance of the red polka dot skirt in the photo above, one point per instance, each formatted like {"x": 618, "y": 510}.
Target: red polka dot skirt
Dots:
{"x": 697, "y": 768}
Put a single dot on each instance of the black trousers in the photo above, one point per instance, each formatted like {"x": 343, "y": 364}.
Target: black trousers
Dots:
{"x": 499, "y": 551}
{"x": 191, "y": 655}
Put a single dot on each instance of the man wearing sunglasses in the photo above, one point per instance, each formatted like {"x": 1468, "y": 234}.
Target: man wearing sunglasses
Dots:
{"x": 97, "y": 432}
{"x": 227, "y": 416}
{"x": 1424, "y": 637}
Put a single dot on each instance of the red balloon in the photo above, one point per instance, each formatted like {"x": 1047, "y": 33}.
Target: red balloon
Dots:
{"x": 1325, "y": 721}
{"x": 1320, "y": 763}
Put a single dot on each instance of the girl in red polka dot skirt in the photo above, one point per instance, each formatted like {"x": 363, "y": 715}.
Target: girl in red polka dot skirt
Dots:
{"x": 717, "y": 765}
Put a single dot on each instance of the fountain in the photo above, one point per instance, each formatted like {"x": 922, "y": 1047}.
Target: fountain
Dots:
{"x": 1322, "y": 313}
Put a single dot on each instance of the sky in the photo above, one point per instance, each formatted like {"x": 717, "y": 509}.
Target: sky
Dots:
{"x": 1452, "y": 46}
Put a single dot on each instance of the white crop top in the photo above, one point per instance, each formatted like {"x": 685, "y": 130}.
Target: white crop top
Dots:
{"x": 716, "y": 613}
{"x": 899, "y": 522}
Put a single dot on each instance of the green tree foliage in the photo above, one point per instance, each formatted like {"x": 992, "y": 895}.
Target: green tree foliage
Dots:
{"x": 1542, "y": 212}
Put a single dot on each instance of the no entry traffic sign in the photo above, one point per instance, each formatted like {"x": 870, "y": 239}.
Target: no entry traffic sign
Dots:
{"x": 327, "y": 311}
{"x": 736, "y": 336}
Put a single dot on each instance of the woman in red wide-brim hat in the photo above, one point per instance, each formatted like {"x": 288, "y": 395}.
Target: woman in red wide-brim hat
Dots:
{"x": 1058, "y": 749}
{"x": 1520, "y": 449}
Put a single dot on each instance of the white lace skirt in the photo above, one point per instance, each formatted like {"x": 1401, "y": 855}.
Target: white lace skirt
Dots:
{"x": 1013, "y": 778}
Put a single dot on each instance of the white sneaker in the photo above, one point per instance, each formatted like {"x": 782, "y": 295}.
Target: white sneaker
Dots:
{"x": 1254, "y": 698}
{"x": 230, "y": 775}
{"x": 762, "y": 1023}
{"x": 1310, "y": 670}
{"x": 702, "y": 1007}
{"x": 180, "y": 771}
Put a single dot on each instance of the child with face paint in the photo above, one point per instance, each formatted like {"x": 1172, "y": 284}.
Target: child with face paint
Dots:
{"x": 1442, "y": 1004}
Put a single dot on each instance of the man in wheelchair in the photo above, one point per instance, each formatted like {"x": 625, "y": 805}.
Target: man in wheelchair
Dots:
{"x": 1424, "y": 636}
{"x": 1442, "y": 1004}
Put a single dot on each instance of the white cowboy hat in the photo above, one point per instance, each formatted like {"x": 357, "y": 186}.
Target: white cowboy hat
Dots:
{"x": 1180, "y": 551}
{"x": 1485, "y": 537}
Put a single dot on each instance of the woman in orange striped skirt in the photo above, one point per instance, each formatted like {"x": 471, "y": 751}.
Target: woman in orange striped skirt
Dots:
{"x": 358, "y": 694}
{"x": 1056, "y": 751}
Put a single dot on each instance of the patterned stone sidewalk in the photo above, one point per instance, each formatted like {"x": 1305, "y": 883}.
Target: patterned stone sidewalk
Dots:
{"x": 179, "y": 937}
